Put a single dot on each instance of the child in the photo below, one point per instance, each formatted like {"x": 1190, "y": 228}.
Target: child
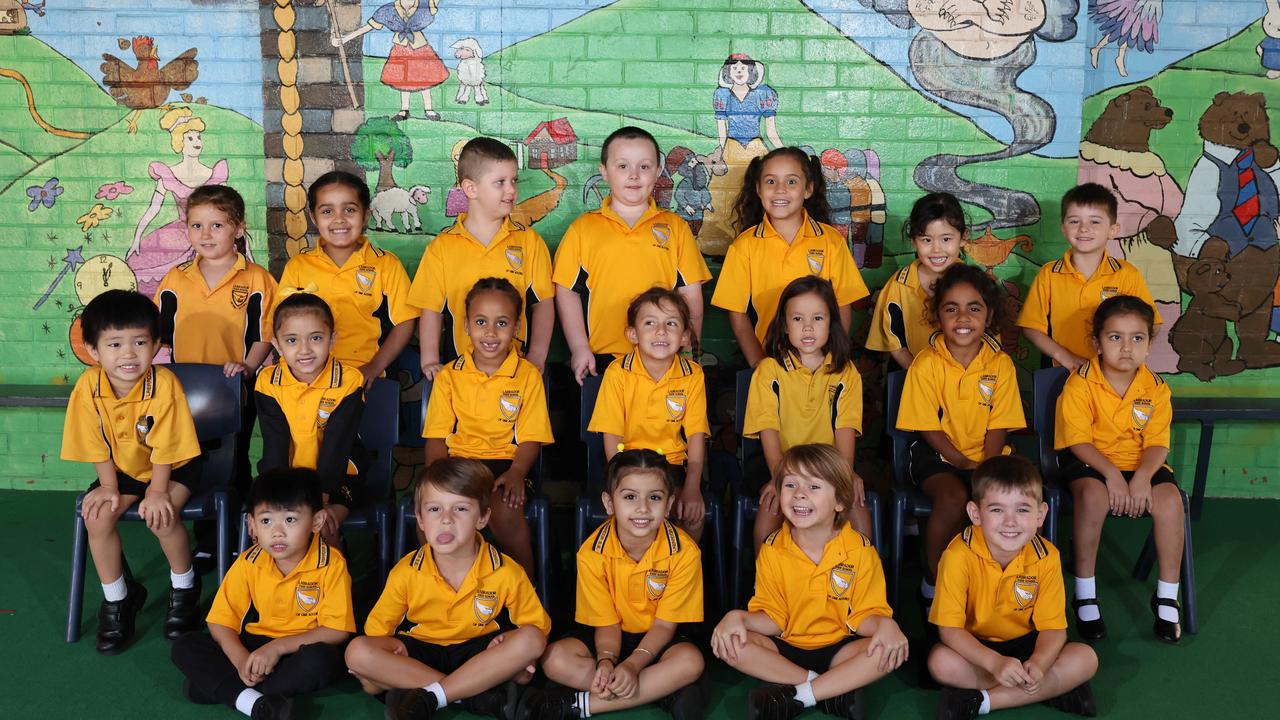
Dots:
{"x": 451, "y": 593}
{"x": 609, "y": 256}
{"x": 818, "y": 628}
{"x": 1001, "y": 611}
{"x": 900, "y": 324}
{"x": 1065, "y": 292}
{"x": 806, "y": 390}
{"x": 366, "y": 287}
{"x": 783, "y": 221}
{"x": 653, "y": 399}
{"x": 639, "y": 578}
{"x": 298, "y": 585}
{"x": 1114, "y": 416}
{"x": 490, "y": 405}
{"x": 484, "y": 242}
{"x": 309, "y": 407}
{"x": 130, "y": 419}
{"x": 961, "y": 395}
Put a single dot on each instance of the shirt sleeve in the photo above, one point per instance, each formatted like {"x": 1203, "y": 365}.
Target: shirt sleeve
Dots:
{"x": 769, "y": 597}
{"x": 168, "y": 306}
{"x": 523, "y": 606}
{"x": 231, "y": 602}
{"x": 690, "y": 267}
{"x": 269, "y": 289}
{"x": 1006, "y": 404}
{"x": 538, "y": 269}
{"x": 1050, "y": 612}
{"x": 869, "y": 596}
{"x": 335, "y": 610}
{"x": 427, "y": 291}
{"x": 274, "y": 426}
{"x": 1156, "y": 433}
{"x": 848, "y": 408}
{"x": 1073, "y": 422}
{"x": 733, "y": 286}
{"x": 695, "y": 410}
{"x": 681, "y": 601}
{"x": 533, "y": 423}
{"x": 82, "y": 439}
{"x": 395, "y": 288}
{"x": 440, "y": 414}
{"x": 921, "y": 397}
{"x": 881, "y": 333}
{"x": 173, "y": 437}
{"x": 335, "y": 453}
{"x": 845, "y": 276}
{"x": 951, "y": 595}
{"x": 594, "y": 601}
{"x": 762, "y": 401}
{"x": 389, "y": 611}
{"x": 568, "y": 262}
{"x": 610, "y": 412}
{"x": 1035, "y": 311}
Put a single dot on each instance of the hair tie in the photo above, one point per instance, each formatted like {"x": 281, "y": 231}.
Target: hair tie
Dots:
{"x": 659, "y": 451}
{"x": 621, "y": 447}
{"x": 285, "y": 291}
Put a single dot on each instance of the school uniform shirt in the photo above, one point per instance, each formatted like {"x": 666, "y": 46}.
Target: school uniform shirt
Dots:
{"x": 761, "y": 263}
{"x": 150, "y": 426}
{"x": 801, "y": 405}
{"x": 1090, "y": 411}
{"x": 455, "y": 260}
{"x": 665, "y": 584}
{"x": 652, "y": 414}
{"x": 316, "y": 593}
{"x": 817, "y": 605}
{"x": 608, "y": 264}
{"x": 901, "y": 319}
{"x": 416, "y": 593}
{"x": 485, "y": 417}
{"x": 1061, "y": 300}
{"x": 215, "y": 325}
{"x": 368, "y": 295}
{"x": 964, "y": 403}
{"x": 311, "y": 424}
{"x": 996, "y": 604}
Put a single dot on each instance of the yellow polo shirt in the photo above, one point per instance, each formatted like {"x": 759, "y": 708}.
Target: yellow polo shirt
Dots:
{"x": 801, "y": 405}
{"x": 613, "y": 589}
{"x": 215, "y": 325}
{"x": 1090, "y": 411}
{"x": 608, "y": 264}
{"x": 994, "y": 603}
{"x": 652, "y": 414}
{"x": 817, "y": 605}
{"x": 485, "y": 417}
{"x": 941, "y": 394}
{"x": 761, "y": 263}
{"x": 901, "y": 319}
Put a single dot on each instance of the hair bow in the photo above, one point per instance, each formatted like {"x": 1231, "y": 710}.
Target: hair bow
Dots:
{"x": 285, "y": 291}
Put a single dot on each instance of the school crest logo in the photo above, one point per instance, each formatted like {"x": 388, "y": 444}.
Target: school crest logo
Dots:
{"x": 661, "y": 234}
{"x": 655, "y": 583}
{"x": 840, "y": 580}
{"x": 1024, "y": 592}
{"x": 817, "y": 258}
{"x": 365, "y": 275}
{"x": 143, "y": 426}
{"x": 1141, "y": 413}
{"x": 485, "y": 605}
{"x": 307, "y": 596}
{"x": 1109, "y": 291}
{"x": 986, "y": 389}
{"x": 509, "y": 405}
{"x": 515, "y": 257}
{"x": 675, "y": 404}
{"x": 324, "y": 410}
{"x": 239, "y": 296}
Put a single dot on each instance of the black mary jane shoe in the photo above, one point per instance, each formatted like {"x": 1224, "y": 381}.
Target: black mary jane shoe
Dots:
{"x": 1169, "y": 632}
{"x": 1089, "y": 630}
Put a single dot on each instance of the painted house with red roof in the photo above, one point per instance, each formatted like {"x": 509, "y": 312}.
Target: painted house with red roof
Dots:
{"x": 551, "y": 144}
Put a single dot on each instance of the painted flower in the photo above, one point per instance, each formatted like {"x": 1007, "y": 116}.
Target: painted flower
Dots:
{"x": 44, "y": 194}
{"x": 111, "y": 191}
{"x": 96, "y": 214}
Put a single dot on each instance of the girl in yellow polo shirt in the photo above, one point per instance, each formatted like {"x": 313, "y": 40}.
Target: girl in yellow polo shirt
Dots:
{"x": 961, "y": 396}
{"x": 1113, "y": 424}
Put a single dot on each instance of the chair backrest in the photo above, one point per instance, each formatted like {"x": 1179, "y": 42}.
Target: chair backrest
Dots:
{"x": 900, "y": 439}
{"x": 1046, "y": 387}
{"x": 215, "y": 403}
{"x": 593, "y": 440}
{"x": 379, "y": 431}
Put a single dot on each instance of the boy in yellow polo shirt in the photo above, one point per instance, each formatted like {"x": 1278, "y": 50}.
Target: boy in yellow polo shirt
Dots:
{"x": 484, "y": 242}
{"x": 131, "y": 420}
{"x": 452, "y": 592}
{"x": 1064, "y": 294}
{"x": 639, "y": 578}
{"x": 1001, "y": 609}
{"x": 298, "y": 585}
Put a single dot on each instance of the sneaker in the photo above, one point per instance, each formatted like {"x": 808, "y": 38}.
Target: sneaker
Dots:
{"x": 272, "y": 707}
{"x": 184, "y": 611}
{"x": 560, "y": 703}
{"x": 847, "y": 705}
{"x": 1077, "y": 701}
{"x": 773, "y": 702}
{"x": 414, "y": 704}
{"x": 958, "y": 704}
{"x": 116, "y": 619}
{"x": 687, "y": 703}
{"x": 499, "y": 702}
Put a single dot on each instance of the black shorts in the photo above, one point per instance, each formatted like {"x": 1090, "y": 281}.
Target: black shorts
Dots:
{"x": 818, "y": 659}
{"x": 1019, "y": 648}
{"x": 925, "y": 462}
{"x": 586, "y": 635}
{"x": 445, "y": 658}
{"x": 1073, "y": 468}
{"x": 187, "y": 476}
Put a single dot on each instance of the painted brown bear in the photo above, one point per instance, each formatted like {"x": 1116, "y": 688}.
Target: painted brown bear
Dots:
{"x": 1200, "y": 335}
{"x": 1232, "y": 196}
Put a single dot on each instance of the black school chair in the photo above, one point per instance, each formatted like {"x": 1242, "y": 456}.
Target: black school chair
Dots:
{"x": 589, "y": 512}
{"x": 746, "y": 505}
{"x": 214, "y": 400}
{"x": 537, "y": 512}
{"x": 1048, "y": 384}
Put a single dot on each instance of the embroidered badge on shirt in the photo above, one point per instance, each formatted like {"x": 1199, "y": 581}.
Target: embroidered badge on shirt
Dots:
{"x": 675, "y": 404}
{"x": 1024, "y": 591}
{"x": 485, "y": 605}
{"x": 655, "y": 583}
{"x": 515, "y": 257}
{"x": 1142, "y": 408}
{"x": 661, "y": 234}
{"x": 817, "y": 258}
{"x": 840, "y": 580}
{"x": 365, "y": 275}
{"x": 509, "y": 405}
{"x": 307, "y": 596}
{"x": 986, "y": 389}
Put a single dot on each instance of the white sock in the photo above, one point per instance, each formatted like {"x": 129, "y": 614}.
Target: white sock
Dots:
{"x": 985, "y": 707}
{"x": 435, "y": 689}
{"x": 926, "y": 589}
{"x": 812, "y": 676}
{"x": 246, "y": 699}
{"x": 183, "y": 581}
{"x": 1087, "y": 589}
{"x": 116, "y": 590}
{"x": 584, "y": 703}
{"x": 1167, "y": 590}
{"x": 804, "y": 693}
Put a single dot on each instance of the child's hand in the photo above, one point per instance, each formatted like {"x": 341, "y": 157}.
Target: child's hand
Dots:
{"x": 769, "y": 499}
{"x": 1010, "y": 673}
{"x": 246, "y": 673}
{"x": 690, "y": 509}
{"x": 1139, "y": 495}
{"x": 234, "y": 368}
{"x": 888, "y": 636}
{"x": 99, "y": 499}
{"x": 859, "y": 491}
{"x": 331, "y": 518}
{"x": 1118, "y": 493}
{"x": 262, "y": 662}
{"x": 1070, "y": 360}
{"x": 729, "y": 637}
{"x": 604, "y": 673}
{"x": 370, "y": 374}
{"x": 624, "y": 681}
{"x": 156, "y": 509}
{"x": 1036, "y": 676}
{"x": 583, "y": 363}
{"x": 510, "y": 489}
{"x": 431, "y": 368}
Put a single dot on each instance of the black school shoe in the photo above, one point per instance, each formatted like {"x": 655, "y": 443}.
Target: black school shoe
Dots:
{"x": 1077, "y": 701}
{"x": 184, "y": 611}
{"x": 414, "y": 704}
{"x": 559, "y": 703}
{"x": 1090, "y": 630}
{"x": 689, "y": 702}
{"x": 773, "y": 702}
{"x": 116, "y": 619}
{"x": 958, "y": 703}
{"x": 1170, "y": 632}
{"x": 272, "y": 707}
{"x": 499, "y": 702}
{"x": 847, "y": 705}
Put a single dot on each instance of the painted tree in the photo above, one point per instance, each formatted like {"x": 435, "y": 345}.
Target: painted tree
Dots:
{"x": 381, "y": 145}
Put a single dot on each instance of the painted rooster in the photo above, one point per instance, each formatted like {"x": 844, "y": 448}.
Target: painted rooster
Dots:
{"x": 148, "y": 85}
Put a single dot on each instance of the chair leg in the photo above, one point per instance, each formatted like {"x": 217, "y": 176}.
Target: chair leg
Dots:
{"x": 714, "y": 527}
{"x": 581, "y": 517}
{"x": 221, "y": 508}
{"x": 75, "y": 597}
{"x": 873, "y": 506}
{"x": 1147, "y": 559}
{"x": 244, "y": 532}
{"x": 1189, "y": 575}
{"x": 900, "y": 501}
{"x": 739, "y": 531}
{"x": 540, "y": 511}
{"x": 404, "y": 523}
{"x": 382, "y": 517}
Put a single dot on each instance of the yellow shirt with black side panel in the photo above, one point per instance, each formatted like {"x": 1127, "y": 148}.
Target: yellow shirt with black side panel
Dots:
{"x": 609, "y": 263}
{"x": 996, "y": 604}
{"x": 215, "y": 325}
{"x": 1061, "y": 300}
{"x": 665, "y": 584}
{"x": 312, "y": 424}
{"x": 455, "y": 260}
{"x": 964, "y": 403}
{"x": 652, "y": 414}
{"x": 761, "y": 263}
{"x": 416, "y": 593}
{"x": 901, "y": 318}
{"x": 817, "y": 605}
{"x": 801, "y": 405}
{"x": 150, "y": 426}
{"x": 1090, "y": 411}
{"x": 256, "y": 597}
{"x": 368, "y": 295}
{"x": 485, "y": 417}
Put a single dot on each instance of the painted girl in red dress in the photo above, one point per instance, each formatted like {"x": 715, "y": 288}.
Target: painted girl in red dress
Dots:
{"x": 412, "y": 65}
